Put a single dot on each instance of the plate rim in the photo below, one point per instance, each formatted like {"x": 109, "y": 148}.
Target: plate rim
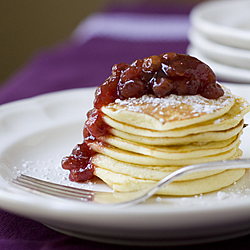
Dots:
{"x": 231, "y": 56}
{"x": 216, "y": 31}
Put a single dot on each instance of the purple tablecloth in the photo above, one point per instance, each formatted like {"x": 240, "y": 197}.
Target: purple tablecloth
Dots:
{"x": 87, "y": 57}
{"x": 85, "y": 60}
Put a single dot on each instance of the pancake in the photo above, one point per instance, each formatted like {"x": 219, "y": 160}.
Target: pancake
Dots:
{"x": 169, "y": 112}
{"x": 155, "y": 173}
{"x": 123, "y": 183}
{"x": 175, "y": 152}
{"x": 199, "y": 138}
{"x": 130, "y": 157}
{"x": 227, "y": 121}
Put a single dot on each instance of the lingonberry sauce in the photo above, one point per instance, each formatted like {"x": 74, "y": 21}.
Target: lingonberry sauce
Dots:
{"x": 79, "y": 161}
{"x": 162, "y": 75}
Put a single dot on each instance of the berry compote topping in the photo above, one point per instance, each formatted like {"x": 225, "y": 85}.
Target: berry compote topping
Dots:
{"x": 162, "y": 75}
{"x": 169, "y": 73}
{"x": 79, "y": 161}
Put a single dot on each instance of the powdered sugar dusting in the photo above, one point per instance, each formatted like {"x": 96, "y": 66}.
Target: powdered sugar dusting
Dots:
{"x": 49, "y": 170}
{"x": 187, "y": 105}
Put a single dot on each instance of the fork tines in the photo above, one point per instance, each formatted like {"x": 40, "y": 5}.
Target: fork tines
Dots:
{"x": 45, "y": 187}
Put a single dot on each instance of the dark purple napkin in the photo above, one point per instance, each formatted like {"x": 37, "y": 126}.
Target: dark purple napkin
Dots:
{"x": 74, "y": 64}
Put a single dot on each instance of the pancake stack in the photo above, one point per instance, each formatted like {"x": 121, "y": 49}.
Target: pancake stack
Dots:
{"x": 155, "y": 116}
{"x": 150, "y": 137}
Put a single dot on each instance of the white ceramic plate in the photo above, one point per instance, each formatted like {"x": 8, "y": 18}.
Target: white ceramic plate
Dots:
{"x": 36, "y": 133}
{"x": 226, "y": 22}
{"x": 230, "y": 56}
{"x": 223, "y": 71}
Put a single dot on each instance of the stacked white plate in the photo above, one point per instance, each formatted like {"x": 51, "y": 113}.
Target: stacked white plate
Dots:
{"x": 220, "y": 36}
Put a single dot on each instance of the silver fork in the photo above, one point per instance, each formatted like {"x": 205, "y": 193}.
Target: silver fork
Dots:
{"x": 116, "y": 198}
